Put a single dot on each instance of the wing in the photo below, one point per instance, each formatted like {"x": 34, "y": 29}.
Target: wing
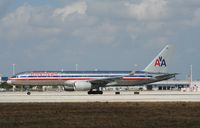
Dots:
{"x": 105, "y": 81}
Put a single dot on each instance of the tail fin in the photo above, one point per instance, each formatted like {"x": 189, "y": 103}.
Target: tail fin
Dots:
{"x": 160, "y": 62}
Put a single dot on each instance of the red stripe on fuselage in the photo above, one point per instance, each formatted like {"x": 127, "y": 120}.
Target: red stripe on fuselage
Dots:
{"x": 51, "y": 79}
{"x": 124, "y": 78}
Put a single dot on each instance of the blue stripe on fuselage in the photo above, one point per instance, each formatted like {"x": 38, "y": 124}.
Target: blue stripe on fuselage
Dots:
{"x": 56, "y": 74}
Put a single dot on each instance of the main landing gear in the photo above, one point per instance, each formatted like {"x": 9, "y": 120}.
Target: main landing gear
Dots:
{"x": 95, "y": 92}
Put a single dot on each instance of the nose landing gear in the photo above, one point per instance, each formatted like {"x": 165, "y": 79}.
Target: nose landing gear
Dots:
{"x": 28, "y": 93}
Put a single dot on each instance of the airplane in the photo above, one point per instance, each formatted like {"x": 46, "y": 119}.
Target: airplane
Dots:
{"x": 94, "y": 81}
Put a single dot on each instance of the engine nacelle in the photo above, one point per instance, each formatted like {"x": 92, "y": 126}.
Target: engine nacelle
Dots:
{"x": 82, "y": 85}
{"x": 77, "y": 85}
{"x": 69, "y": 88}
{"x": 69, "y": 85}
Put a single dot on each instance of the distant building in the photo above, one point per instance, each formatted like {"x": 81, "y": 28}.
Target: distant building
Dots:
{"x": 3, "y": 79}
{"x": 171, "y": 85}
{"x": 162, "y": 85}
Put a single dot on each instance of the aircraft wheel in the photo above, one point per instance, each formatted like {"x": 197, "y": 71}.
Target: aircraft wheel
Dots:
{"x": 137, "y": 93}
{"x": 100, "y": 92}
{"x": 95, "y": 92}
{"x": 117, "y": 93}
{"x": 90, "y": 92}
{"x": 28, "y": 93}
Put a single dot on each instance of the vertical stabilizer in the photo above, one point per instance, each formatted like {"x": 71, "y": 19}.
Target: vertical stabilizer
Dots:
{"x": 160, "y": 62}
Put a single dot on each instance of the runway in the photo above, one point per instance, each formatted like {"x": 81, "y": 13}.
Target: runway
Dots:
{"x": 145, "y": 96}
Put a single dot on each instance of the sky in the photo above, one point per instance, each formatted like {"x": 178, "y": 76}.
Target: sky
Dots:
{"x": 98, "y": 34}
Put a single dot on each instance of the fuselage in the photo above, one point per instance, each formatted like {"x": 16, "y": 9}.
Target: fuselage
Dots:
{"x": 52, "y": 78}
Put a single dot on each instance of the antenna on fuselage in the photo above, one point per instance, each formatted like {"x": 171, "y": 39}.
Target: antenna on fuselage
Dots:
{"x": 76, "y": 67}
{"x": 13, "y": 69}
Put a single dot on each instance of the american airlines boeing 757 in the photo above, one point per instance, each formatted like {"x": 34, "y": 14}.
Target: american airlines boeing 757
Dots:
{"x": 93, "y": 81}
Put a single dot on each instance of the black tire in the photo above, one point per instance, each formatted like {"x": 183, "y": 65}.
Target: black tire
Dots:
{"x": 136, "y": 93}
{"x": 90, "y": 92}
{"x": 101, "y": 92}
{"x": 117, "y": 93}
{"x": 28, "y": 93}
{"x": 95, "y": 92}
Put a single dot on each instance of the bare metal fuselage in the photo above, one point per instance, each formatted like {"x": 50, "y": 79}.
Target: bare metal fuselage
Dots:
{"x": 59, "y": 79}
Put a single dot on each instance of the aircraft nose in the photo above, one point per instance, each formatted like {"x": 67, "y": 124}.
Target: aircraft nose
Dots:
{"x": 9, "y": 82}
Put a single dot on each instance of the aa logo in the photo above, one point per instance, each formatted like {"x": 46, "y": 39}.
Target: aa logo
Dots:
{"x": 160, "y": 62}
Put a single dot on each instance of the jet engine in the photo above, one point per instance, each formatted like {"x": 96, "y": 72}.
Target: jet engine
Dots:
{"x": 69, "y": 85}
{"x": 77, "y": 85}
{"x": 82, "y": 85}
{"x": 69, "y": 88}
